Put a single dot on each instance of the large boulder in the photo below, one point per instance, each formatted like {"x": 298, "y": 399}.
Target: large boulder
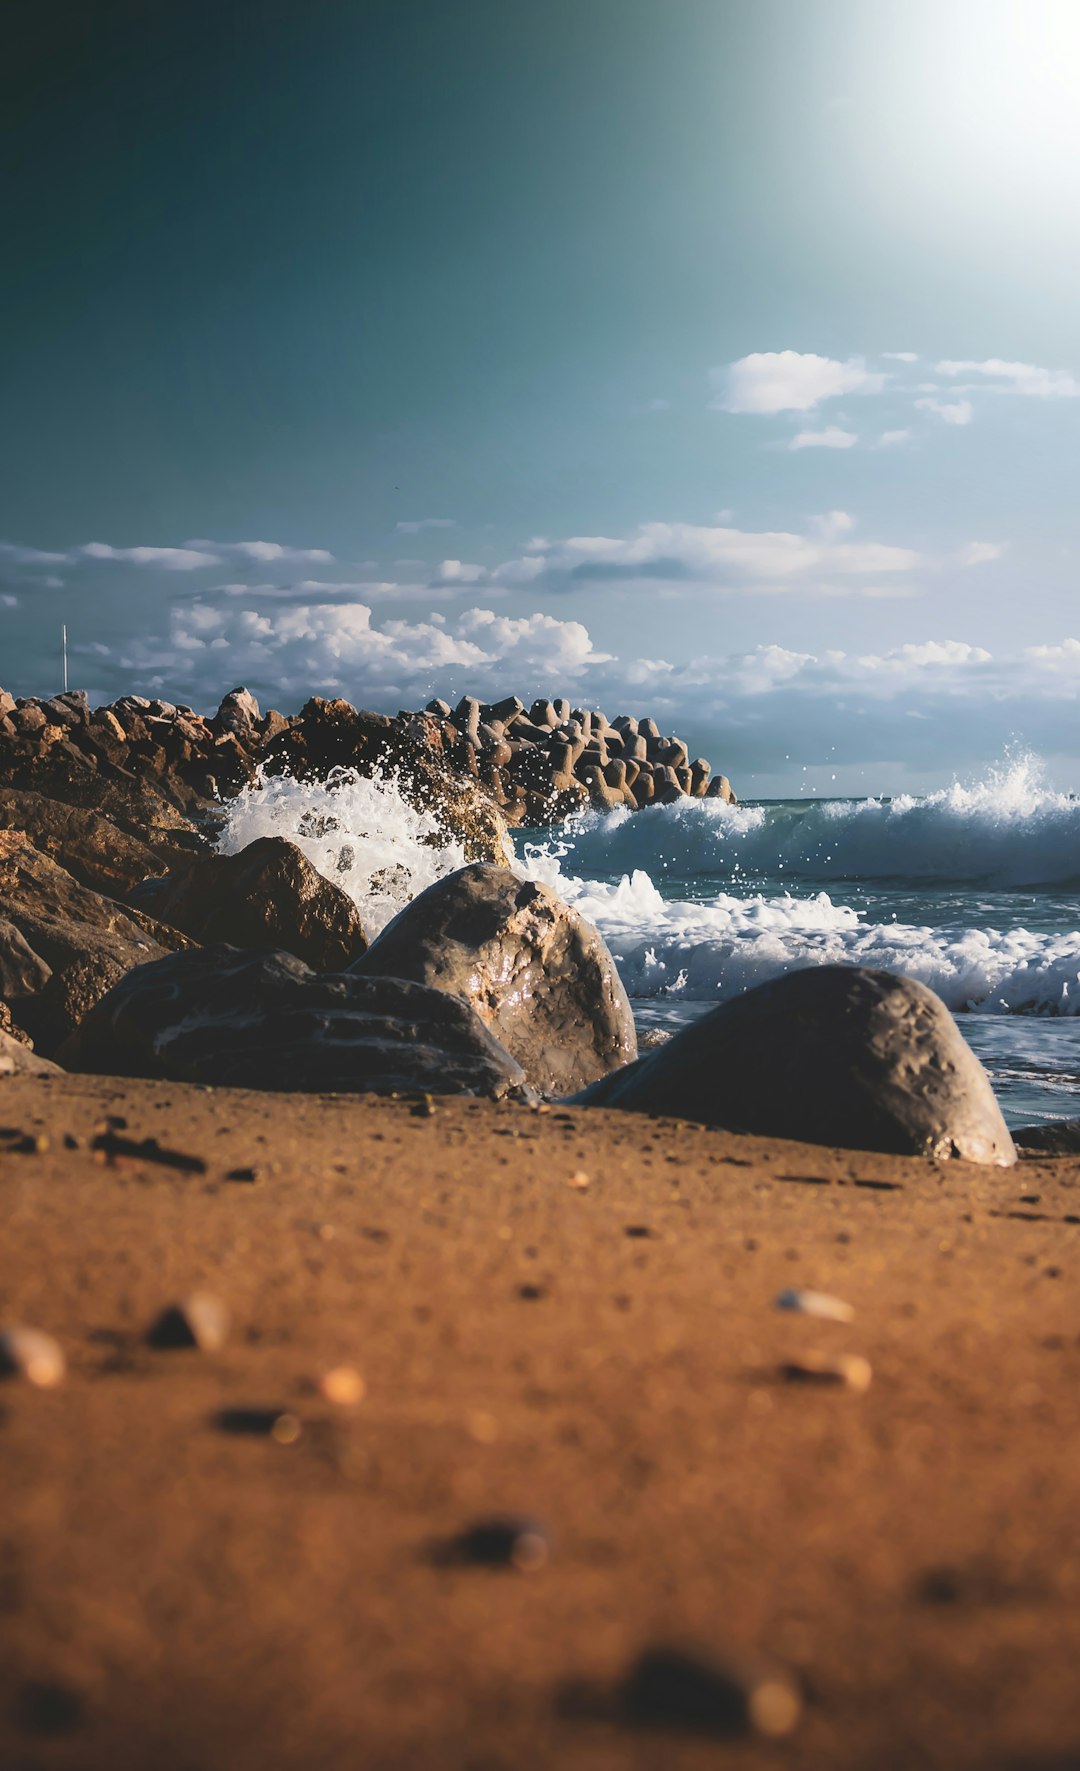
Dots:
{"x": 94, "y": 848}
{"x": 268, "y": 898}
{"x": 834, "y": 1055}
{"x": 534, "y": 970}
{"x": 266, "y": 1021}
{"x": 63, "y": 946}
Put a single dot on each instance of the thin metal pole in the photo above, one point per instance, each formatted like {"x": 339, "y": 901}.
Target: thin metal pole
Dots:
{"x": 64, "y": 631}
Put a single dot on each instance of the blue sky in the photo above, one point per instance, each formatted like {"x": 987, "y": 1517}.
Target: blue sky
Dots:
{"x": 715, "y": 359}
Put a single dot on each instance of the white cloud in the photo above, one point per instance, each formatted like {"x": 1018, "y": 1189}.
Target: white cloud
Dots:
{"x": 980, "y": 553}
{"x": 890, "y": 439}
{"x": 1021, "y": 378}
{"x": 710, "y": 557}
{"x": 832, "y": 437}
{"x": 901, "y": 356}
{"x": 9, "y": 602}
{"x": 951, "y": 412}
{"x": 833, "y": 523}
{"x": 415, "y": 528}
{"x": 790, "y": 381}
{"x": 171, "y": 559}
{"x": 30, "y": 556}
{"x": 265, "y": 552}
{"x": 459, "y": 572}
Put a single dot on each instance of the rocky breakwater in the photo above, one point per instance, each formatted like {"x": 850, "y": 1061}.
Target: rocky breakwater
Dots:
{"x": 542, "y": 764}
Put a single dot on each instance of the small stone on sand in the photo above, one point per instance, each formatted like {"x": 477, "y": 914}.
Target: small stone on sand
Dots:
{"x": 200, "y": 1320}
{"x": 816, "y": 1303}
{"x": 846, "y": 1370}
{"x": 668, "y": 1688}
{"x": 29, "y": 1354}
{"x": 343, "y": 1386}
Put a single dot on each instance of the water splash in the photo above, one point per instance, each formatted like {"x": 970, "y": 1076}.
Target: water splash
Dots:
{"x": 358, "y": 830}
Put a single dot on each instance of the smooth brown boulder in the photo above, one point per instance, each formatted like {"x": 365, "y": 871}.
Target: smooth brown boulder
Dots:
{"x": 839, "y": 1055}
{"x": 266, "y": 1021}
{"x": 537, "y": 974}
{"x": 268, "y": 898}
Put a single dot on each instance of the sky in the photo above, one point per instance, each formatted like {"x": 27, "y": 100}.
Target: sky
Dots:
{"x": 711, "y": 359}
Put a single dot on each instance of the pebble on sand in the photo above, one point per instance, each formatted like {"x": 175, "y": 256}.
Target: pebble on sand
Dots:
{"x": 670, "y": 1688}
{"x": 343, "y": 1386}
{"x": 816, "y": 1303}
{"x": 844, "y": 1370}
{"x": 32, "y": 1355}
{"x": 503, "y": 1541}
{"x": 200, "y": 1320}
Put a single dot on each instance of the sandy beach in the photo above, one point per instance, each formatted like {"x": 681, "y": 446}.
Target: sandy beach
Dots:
{"x": 181, "y": 1588}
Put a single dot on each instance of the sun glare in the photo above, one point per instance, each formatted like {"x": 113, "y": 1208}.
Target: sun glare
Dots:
{"x": 1010, "y": 80}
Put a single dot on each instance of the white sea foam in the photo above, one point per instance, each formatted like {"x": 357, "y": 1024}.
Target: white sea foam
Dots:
{"x": 1007, "y": 830}
{"x": 357, "y": 830}
{"x": 362, "y": 834}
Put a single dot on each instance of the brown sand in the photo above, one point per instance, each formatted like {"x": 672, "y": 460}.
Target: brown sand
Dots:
{"x": 180, "y": 1598}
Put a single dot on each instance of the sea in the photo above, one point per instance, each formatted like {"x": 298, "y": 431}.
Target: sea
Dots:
{"x": 973, "y": 889}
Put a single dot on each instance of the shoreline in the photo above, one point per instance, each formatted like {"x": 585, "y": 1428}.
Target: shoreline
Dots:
{"x": 605, "y": 1359}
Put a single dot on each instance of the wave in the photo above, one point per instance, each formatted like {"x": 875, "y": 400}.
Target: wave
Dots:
{"x": 358, "y": 830}
{"x": 361, "y": 833}
{"x": 1006, "y": 831}
{"x": 707, "y": 952}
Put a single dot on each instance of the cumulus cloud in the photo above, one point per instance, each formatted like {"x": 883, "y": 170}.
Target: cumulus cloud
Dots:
{"x": 422, "y": 523}
{"x": 790, "y": 381}
{"x": 890, "y": 439}
{"x": 832, "y": 523}
{"x": 832, "y": 437}
{"x": 9, "y": 602}
{"x": 901, "y": 356}
{"x": 1021, "y": 378}
{"x": 950, "y": 411}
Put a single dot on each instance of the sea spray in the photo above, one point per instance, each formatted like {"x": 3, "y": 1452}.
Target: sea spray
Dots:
{"x": 358, "y": 830}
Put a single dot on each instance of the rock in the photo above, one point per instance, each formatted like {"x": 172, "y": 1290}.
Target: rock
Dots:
{"x": 1055, "y": 1137}
{"x": 87, "y": 844}
{"x": 815, "y": 1303}
{"x": 537, "y": 974}
{"x": 720, "y": 788}
{"x": 200, "y": 1320}
{"x": 266, "y": 1021}
{"x": 671, "y": 1688}
{"x": 238, "y": 714}
{"x": 504, "y": 1541}
{"x": 838, "y": 1055}
{"x": 847, "y": 1371}
{"x": 61, "y": 945}
{"x": 17, "y": 1058}
{"x": 9, "y": 1026}
{"x": 31, "y": 1355}
{"x": 268, "y": 898}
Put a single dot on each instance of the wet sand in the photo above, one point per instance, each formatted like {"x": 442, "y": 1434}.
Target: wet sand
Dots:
{"x": 606, "y": 1359}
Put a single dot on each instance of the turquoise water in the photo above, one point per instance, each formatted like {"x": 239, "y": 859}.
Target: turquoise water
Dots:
{"x": 974, "y": 890}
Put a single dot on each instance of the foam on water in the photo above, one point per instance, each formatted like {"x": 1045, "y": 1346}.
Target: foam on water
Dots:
{"x": 359, "y": 831}
{"x": 1007, "y": 830}
{"x": 687, "y": 948}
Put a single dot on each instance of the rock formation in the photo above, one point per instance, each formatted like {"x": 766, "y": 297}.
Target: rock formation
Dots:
{"x": 266, "y": 1021}
{"x": 267, "y": 898}
{"x": 538, "y": 975}
{"x": 835, "y": 1055}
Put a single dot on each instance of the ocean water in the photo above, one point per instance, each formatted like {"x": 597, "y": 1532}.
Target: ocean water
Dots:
{"x": 973, "y": 890}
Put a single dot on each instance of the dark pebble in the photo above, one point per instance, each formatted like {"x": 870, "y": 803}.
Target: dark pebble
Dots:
{"x": 200, "y": 1320}
{"x": 45, "y": 1708}
{"x": 506, "y": 1541}
{"x": 668, "y": 1688}
{"x": 265, "y": 1423}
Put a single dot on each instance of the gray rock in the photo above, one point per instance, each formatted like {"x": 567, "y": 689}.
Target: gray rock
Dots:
{"x": 265, "y": 1021}
{"x": 836, "y": 1055}
{"x": 17, "y": 1059}
{"x": 537, "y": 974}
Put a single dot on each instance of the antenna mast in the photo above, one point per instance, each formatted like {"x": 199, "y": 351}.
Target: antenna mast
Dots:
{"x": 63, "y": 632}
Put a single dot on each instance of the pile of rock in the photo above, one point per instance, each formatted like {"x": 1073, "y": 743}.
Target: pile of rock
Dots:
{"x": 474, "y": 763}
{"x": 543, "y": 764}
